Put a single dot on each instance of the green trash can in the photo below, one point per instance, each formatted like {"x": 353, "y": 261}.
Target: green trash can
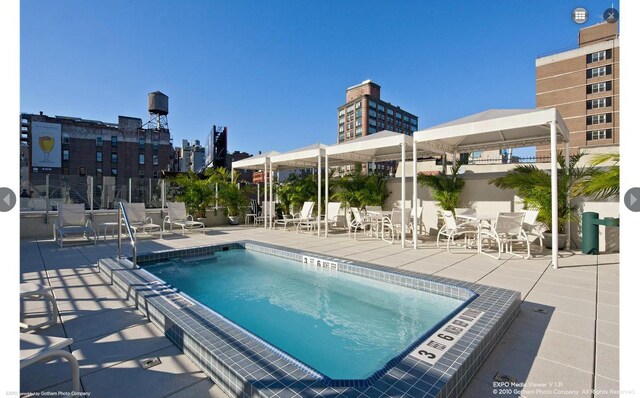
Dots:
{"x": 590, "y": 232}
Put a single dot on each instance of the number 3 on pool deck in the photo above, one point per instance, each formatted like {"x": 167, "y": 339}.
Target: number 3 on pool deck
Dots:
{"x": 428, "y": 354}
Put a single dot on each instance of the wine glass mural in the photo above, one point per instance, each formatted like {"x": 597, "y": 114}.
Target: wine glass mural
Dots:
{"x": 46, "y": 145}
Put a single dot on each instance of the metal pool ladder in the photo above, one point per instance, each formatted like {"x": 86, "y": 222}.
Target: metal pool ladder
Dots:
{"x": 124, "y": 219}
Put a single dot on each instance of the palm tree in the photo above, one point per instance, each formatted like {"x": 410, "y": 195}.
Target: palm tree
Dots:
{"x": 196, "y": 193}
{"x": 533, "y": 185}
{"x": 602, "y": 184}
{"x": 445, "y": 188}
{"x": 358, "y": 190}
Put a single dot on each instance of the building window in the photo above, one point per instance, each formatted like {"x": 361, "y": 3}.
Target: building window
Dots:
{"x": 596, "y": 135}
{"x": 359, "y": 113}
{"x": 372, "y": 104}
{"x": 114, "y": 158}
{"x": 141, "y": 173}
{"x": 372, "y": 113}
{"x": 341, "y": 128}
{"x": 156, "y": 144}
{"x": 82, "y": 171}
{"x": 372, "y": 122}
{"x": 99, "y": 156}
{"x": 598, "y": 87}
{"x": 350, "y": 109}
{"x": 65, "y": 154}
{"x": 341, "y": 120}
{"x": 114, "y": 141}
{"x": 341, "y": 137}
{"x": 600, "y": 71}
{"x": 155, "y": 174}
{"x": 341, "y": 112}
{"x": 390, "y": 112}
{"x": 358, "y": 131}
{"x": 599, "y": 56}
{"x": 372, "y": 130}
{"x": 99, "y": 141}
{"x": 98, "y": 171}
{"x": 141, "y": 159}
{"x": 65, "y": 138}
{"x": 380, "y": 108}
{"x": 141, "y": 143}
{"x": 155, "y": 160}
{"x": 599, "y": 119}
{"x": 406, "y": 118}
{"x": 114, "y": 171}
{"x": 358, "y": 122}
{"x": 599, "y": 103}
{"x": 358, "y": 104}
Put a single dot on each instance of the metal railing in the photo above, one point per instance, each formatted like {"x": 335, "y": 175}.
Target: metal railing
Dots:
{"x": 123, "y": 218}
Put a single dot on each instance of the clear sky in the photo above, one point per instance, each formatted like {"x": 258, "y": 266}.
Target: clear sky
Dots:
{"x": 275, "y": 72}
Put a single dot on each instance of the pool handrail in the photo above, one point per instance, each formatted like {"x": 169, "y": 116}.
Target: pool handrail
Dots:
{"x": 124, "y": 219}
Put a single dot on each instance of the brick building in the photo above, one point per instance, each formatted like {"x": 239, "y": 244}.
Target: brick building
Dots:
{"x": 584, "y": 85}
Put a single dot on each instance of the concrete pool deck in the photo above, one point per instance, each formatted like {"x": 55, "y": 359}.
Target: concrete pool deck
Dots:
{"x": 565, "y": 337}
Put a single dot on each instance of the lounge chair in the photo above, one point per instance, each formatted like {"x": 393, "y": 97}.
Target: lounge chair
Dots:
{"x": 303, "y": 216}
{"x": 37, "y": 348}
{"x": 138, "y": 220}
{"x": 452, "y": 229}
{"x": 334, "y": 218}
{"x": 178, "y": 216}
{"x": 418, "y": 220}
{"x": 268, "y": 212}
{"x": 72, "y": 221}
{"x": 358, "y": 221}
{"x": 507, "y": 231}
{"x": 33, "y": 291}
{"x": 532, "y": 227}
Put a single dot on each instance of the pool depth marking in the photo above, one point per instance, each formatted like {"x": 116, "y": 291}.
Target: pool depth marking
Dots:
{"x": 441, "y": 341}
{"x": 320, "y": 262}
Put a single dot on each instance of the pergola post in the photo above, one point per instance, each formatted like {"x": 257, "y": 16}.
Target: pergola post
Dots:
{"x": 415, "y": 197}
{"x": 319, "y": 190}
{"x": 567, "y": 159}
{"x": 271, "y": 206}
{"x": 265, "y": 202}
{"x": 404, "y": 192}
{"x": 554, "y": 193}
{"x": 326, "y": 192}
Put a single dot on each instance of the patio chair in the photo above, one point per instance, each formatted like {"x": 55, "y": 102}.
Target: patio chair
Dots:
{"x": 506, "y": 231}
{"x": 533, "y": 228}
{"x": 334, "y": 218}
{"x": 139, "y": 221}
{"x": 268, "y": 212}
{"x": 33, "y": 291}
{"x": 465, "y": 213}
{"x": 72, "y": 221}
{"x": 302, "y": 216}
{"x": 393, "y": 223}
{"x": 418, "y": 220}
{"x": 374, "y": 213}
{"x": 452, "y": 229}
{"x": 177, "y": 215}
{"x": 37, "y": 348}
{"x": 358, "y": 222}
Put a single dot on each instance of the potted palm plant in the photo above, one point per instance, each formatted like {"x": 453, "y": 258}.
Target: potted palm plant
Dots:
{"x": 196, "y": 193}
{"x": 445, "y": 188}
{"x": 533, "y": 186}
{"x": 230, "y": 194}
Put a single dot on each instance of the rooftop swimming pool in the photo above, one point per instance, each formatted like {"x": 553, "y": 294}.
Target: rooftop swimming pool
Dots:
{"x": 342, "y": 325}
{"x": 268, "y": 321}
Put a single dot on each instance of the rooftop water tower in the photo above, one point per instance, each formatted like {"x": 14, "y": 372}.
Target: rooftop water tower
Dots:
{"x": 158, "y": 111}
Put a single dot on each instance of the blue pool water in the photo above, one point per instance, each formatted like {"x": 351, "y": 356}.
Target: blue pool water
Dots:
{"x": 342, "y": 325}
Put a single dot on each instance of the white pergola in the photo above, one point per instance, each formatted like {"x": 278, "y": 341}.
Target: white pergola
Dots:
{"x": 259, "y": 162}
{"x": 379, "y": 147}
{"x": 309, "y": 157}
{"x": 501, "y": 129}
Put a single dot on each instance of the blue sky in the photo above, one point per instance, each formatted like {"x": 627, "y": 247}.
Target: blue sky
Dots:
{"x": 274, "y": 72}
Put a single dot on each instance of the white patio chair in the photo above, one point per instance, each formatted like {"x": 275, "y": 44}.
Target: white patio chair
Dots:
{"x": 393, "y": 223}
{"x": 37, "y": 348}
{"x": 177, "y": 215}
{"x": 465, "y": 214}
{"x": 506, "y": 231}
{"x": 452, "y": 229}
{"x": 374, "y": 215}
{"x": 268, "y": 213}
{"x": 139, "y": 221}
{"x": 304, "y": 215}
{"x": 72, "y": 221}
{"x": 334, "y": 217}
{"x": 34, "y": 291}
{"x": 417, "y": 220}
{"x": 358, "y": 221}
{"x": 532, "y": 227}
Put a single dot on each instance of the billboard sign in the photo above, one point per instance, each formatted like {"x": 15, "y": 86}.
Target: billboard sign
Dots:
{"x": 46, "y": 148}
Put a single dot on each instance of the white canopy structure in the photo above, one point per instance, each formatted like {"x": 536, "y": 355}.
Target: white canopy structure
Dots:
{"x": 259, "y": 162}
{"x": 379, "y": 147}
{"x": 500, "y": 129}
{"x": 303, "y": 158}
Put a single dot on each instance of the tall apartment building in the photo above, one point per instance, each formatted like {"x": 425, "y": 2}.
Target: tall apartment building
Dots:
{"x": 365, "y": 113}
{"x": 191, "y": 157}
{"x": 584, "y": 85}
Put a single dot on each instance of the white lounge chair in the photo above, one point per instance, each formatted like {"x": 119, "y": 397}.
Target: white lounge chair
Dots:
{"x": 358, "y": 221}
{"x": 138, "y": 220}
{"x": 452, "y": 229}
{"x": 267, "y": 214}
{"x": 177, "y": 215}
{"x": 393, "y": 223}
{"x": 417, "y": 220}
{"x": 33, "y": 291}
{"x": 506, "y": 231}
{"x": 334, "y": 217}
{"x": 532, "y": 227}
{"x": 37, "y": 348}
{"x": 304, "y": 215}
{"x": 72, "y": 221}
